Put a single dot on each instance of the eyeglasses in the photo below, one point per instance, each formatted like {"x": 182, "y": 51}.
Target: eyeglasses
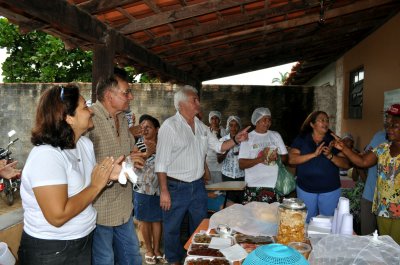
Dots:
{"x": 62, "y": 93}
{"x": 126, "y": 92}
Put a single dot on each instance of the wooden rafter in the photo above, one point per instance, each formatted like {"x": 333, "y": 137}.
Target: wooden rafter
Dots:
{"x": 60, "y": 14}
{"x": 183, "y": 13}
{"x": 270, "y": 28}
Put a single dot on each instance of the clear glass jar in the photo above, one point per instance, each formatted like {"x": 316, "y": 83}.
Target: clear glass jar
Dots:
{"x": 292, "y": 215}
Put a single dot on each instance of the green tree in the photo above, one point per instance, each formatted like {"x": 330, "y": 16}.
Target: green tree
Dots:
{"x": 40, "y": 57}
{"x": 281, "y": 80}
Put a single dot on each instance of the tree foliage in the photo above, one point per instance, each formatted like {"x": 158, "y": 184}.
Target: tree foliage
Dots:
{"x": 40, "y": 57}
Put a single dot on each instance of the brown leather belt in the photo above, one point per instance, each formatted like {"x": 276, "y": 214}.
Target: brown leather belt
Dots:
{"x": 176, "y": 180}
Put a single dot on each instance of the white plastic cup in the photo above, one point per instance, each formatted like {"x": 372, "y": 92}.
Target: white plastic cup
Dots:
{"x": 6, "y": 257}
{"x": 347, "y": 224}
{"x": 334, "y": 222}
{"x": 343, "y": 208}
{"x": 343, "y": 205}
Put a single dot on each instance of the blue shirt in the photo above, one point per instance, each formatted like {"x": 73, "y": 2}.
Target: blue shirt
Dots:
{"x": 318, "y": 175}
{"x": 370, "y": 183}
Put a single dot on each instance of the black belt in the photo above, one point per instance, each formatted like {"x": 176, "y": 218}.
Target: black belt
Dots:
{"x": 176, "y": 180}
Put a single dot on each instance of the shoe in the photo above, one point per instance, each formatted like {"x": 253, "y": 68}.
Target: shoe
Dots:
{"x": 150, "y": 260}
{"x": 162, "y": 259}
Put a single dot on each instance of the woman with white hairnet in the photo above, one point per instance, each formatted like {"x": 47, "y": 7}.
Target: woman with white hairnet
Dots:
{"x": 230, "y": 159}
{"x": 258, "y": 156}
{"x": 214, "y": 118}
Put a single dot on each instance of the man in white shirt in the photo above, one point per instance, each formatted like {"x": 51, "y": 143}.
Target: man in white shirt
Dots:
{"x": 258, "y": 156}
{"x": 183, "y": 141}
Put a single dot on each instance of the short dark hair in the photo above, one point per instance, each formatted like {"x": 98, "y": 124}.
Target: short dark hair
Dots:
{"x": 110, "y": 82}
{"x": 146, "y": 117}
{"x": 50, "y": 125}
{"x": 121, "y": 74}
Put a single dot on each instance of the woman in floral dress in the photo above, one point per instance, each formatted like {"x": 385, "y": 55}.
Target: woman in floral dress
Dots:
{"x": 386, "y": 203}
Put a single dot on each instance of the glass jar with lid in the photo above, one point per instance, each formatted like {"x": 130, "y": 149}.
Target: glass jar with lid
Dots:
{"x": 292, "y": 215}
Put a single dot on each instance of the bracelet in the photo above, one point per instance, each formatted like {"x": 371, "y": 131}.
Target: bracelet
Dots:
{"x": 234, "y": 140}
{"x": 331, "y": 157}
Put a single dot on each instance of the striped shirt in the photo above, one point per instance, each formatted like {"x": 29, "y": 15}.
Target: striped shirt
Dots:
{"x": 180, "y": 152}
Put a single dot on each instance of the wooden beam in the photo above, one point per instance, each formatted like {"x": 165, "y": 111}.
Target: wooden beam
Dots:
{"x": 233, "y": 21}
{"x": 62, "y": 15}
{"x": 253, "y": 64}
{"x": 103, "y": 65}
{"x": 138, "y": 54}
{"x": 181, "y": 14}
{"x": 279, "y": 40}
{"x": 270, "y": 28}
{"x": 99, "y": 6}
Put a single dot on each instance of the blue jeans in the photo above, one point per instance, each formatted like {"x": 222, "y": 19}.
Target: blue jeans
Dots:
{"x": 319, "y": 203}
{"x": 120, "y": 242}
{"x": 185, "y": 197}
{"x": 35, "y": 251}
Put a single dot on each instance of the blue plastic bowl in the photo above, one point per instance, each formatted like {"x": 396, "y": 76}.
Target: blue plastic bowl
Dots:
{"x": 275, "y": 254}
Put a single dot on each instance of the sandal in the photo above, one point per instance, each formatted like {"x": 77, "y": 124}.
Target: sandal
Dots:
{"x": 150, "y": 260}
{"x": 162, "y": 259}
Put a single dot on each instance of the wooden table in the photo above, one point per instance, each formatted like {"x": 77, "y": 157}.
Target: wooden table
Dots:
{"x": 202, "y": 226}
{"x": 227, "y": 186}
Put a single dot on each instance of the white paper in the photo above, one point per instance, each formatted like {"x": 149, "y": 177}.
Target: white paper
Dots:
{"x": 220, "y": 243}
{"x": 234, "y": 253}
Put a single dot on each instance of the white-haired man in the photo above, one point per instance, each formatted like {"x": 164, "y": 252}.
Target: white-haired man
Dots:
{"x": 183, "y": 141}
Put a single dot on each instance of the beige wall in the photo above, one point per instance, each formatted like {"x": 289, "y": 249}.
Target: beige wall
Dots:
{"x": 379, "y": 53}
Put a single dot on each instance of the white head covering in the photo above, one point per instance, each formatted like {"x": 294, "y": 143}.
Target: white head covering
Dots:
{"x": 214, "y": 113}
{"x": 348, "y": 135}
{"x": 233, "y": 118}
{"x": 258, "y": 114}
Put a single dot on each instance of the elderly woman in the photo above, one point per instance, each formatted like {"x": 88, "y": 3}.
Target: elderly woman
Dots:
{"x": 214, "y": 118}
{"x": 317, "y": 166}
{"x": 386, "y": 203}
{"x": 230, "y": 162}
{"x": 147, "y": 193}
{"x": 258, "y": 156}
{"x": 60, "y": 181}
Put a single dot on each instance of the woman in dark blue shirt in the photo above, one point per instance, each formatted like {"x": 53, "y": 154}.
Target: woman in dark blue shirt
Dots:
{"x": 317, "y": 165}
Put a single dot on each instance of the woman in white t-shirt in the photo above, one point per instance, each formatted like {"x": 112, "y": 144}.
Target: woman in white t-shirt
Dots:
{"x": 214, "y": 119}
{"x": 258, "y": 155}
{"x": 60, "y": 181}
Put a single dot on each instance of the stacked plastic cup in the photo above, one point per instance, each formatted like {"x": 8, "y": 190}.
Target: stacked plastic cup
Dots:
{"x": 6, "y": 257}
{"x": 346, "y": 227}
{"x": 343, "y": 208}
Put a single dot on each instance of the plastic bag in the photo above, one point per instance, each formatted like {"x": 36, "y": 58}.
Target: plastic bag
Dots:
{"x": 285, "y": 182}
{"x": 355, "y": 250}
{"x": 255, "y": 218}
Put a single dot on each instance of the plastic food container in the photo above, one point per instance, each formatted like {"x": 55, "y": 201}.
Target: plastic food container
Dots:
{"x": 205, "y": 239}
{"x": 206, "y": 261}
{"x": 301, "y": 247}
{"x": 292, "y": 215}
{"x": 203, "y": 250}
{"x": 224, "y": 230}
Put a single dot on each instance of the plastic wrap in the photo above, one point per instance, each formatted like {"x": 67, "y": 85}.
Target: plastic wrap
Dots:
{"x": 355, "y": 250}
{"x": 255, "y": 218}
